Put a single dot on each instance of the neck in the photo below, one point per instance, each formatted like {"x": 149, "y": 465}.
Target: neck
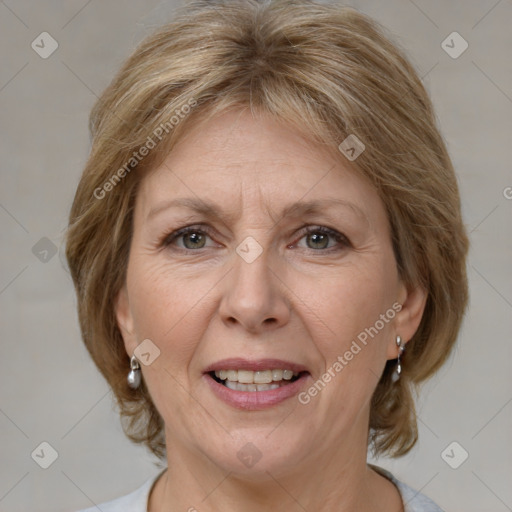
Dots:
{"x": 327, "y": 481}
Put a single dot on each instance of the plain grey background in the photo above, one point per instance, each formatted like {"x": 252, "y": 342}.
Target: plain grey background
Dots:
{"x": 50, "y": 390}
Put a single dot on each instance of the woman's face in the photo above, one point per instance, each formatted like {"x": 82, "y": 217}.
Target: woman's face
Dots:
{"x": 255, "y": 279}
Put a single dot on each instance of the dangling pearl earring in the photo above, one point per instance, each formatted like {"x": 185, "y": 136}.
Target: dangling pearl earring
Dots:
{"x": 398, "y": 369}
{"x": 134, "y": 377}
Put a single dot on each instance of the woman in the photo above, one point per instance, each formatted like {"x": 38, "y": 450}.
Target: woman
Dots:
{"x": 269, "y": 257}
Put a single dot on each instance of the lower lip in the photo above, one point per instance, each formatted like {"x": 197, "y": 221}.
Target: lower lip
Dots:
{"x": 256, "y": 400}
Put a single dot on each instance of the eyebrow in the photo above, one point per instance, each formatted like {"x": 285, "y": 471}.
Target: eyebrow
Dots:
{"x": 299, "y": 208}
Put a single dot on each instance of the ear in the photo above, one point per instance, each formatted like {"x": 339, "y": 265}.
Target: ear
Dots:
{"x": 407, "y": 320}
{"x": 125, "y": 320}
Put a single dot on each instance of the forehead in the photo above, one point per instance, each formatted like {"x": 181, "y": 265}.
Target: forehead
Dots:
{"x": 240, "y": 162}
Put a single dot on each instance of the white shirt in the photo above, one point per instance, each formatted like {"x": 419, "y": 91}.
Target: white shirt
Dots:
{"x": 137, "y": 501}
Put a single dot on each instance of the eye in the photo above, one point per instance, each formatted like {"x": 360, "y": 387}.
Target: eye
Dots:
{"x": 192, "y": 238}
{"x": 317, "y": 238}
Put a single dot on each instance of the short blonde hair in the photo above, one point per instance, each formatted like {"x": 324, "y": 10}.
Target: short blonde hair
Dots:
{"x": 329, "y": 71}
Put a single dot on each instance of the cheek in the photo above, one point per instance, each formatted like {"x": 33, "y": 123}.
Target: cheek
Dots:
{"x": 168, "y": 308}
{"x": 347, "y": 304}
{"x": 351, "y": 336}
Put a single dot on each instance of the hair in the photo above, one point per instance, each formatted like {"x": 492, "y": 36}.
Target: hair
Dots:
{"x": 328, "y": 71}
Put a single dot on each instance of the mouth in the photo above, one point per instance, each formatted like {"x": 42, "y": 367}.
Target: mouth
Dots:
{"x": 255, "y": 385}
{"x": 253, "y": 381}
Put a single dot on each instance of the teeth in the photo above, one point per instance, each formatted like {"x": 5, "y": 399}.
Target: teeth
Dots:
{"x": 258, "y": 377}
{"x": 277, "y": 374}
{"x": 246, "y": 377}
{"x": 261, "y": 377}
{"x": 287, "y": 374}
{"x": 238, "y": 386}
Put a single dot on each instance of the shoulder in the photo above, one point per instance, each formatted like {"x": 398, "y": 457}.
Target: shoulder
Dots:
{"x": 136, "y": 501}
{"x": 413, "y": 500}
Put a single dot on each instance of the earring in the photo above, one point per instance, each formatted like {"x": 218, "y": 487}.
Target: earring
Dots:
{"x": 398, "y": 369}
{"x": 134, "y": 377}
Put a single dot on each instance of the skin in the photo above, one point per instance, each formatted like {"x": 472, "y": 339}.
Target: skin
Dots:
{"x": 304, "y": 299}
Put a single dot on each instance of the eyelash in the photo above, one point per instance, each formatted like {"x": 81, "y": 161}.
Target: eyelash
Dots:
{"x": 175, "y": 235}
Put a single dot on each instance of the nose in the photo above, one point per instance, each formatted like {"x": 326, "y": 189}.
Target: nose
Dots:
{"x": 254, "y": 296}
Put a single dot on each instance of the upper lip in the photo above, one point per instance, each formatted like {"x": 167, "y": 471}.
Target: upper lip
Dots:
{"x": 238, "y": 363}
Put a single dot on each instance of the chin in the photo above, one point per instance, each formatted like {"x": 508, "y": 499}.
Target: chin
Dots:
{"x": 255, "y": 454}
